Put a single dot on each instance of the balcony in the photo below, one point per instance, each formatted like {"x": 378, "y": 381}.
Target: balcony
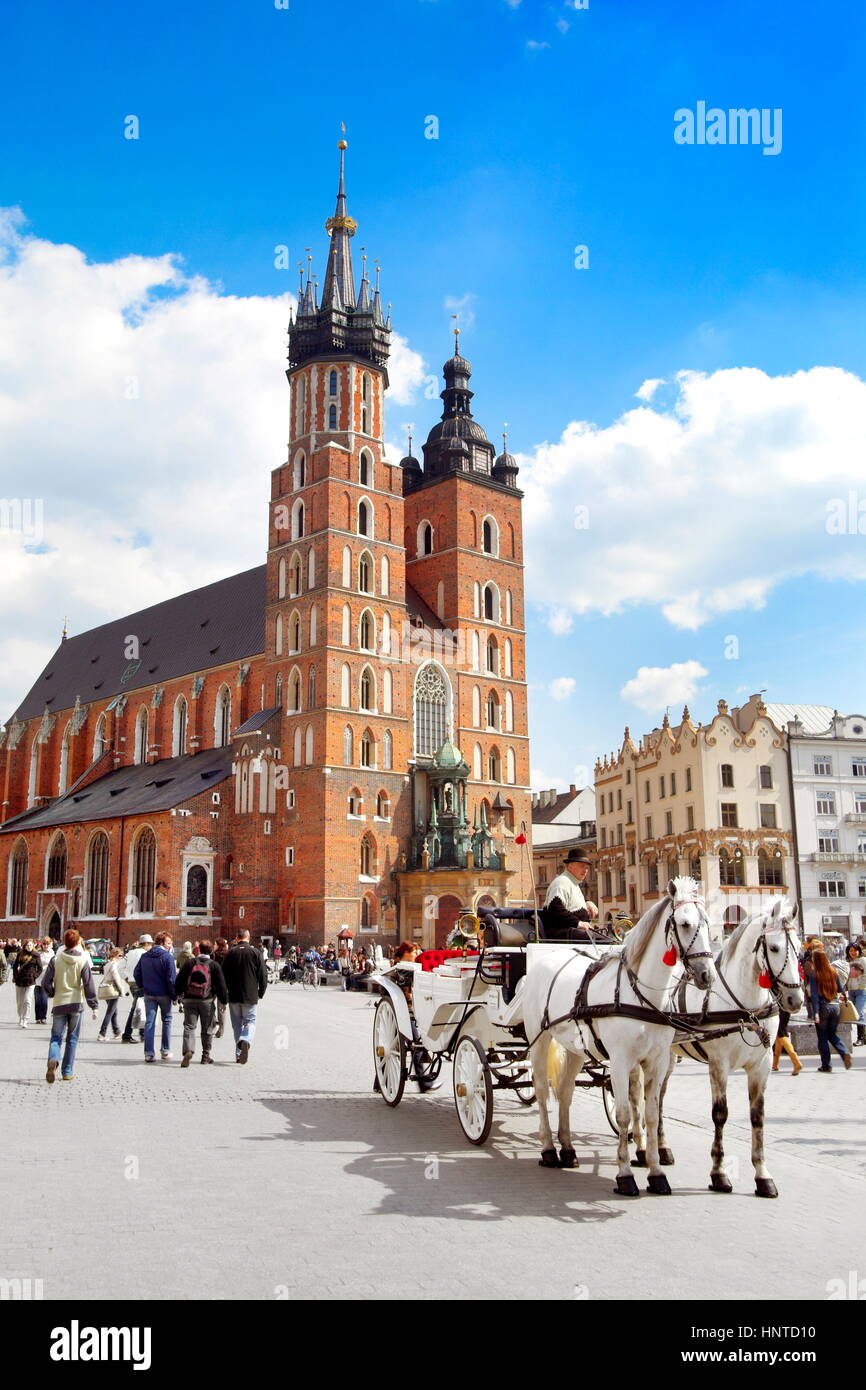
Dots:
{"x": 838, "y": 857}
{"x": 856, "y": 818}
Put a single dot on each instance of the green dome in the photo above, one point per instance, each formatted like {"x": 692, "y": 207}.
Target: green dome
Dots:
{"x": 448, "y": 755}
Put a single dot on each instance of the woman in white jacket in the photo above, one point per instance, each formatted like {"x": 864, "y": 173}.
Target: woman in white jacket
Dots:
{"x": 111, "y": 988}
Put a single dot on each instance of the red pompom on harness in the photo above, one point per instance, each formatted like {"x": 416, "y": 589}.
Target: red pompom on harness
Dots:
{"x": 670, "y": 956}
{"x": 764, "y": 980}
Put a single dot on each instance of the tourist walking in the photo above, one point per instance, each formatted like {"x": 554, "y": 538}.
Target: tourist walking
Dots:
{"x": 246, "y": 981}
{"x": 69, "y": 982}
{"x": 824, "y": 986}
{"x": 112, "y": 987}
{"x": 40, "y": 998}
{"x": 857, "y": 988}
{"x": 155, "y": 974}
{"x": 127, "y": 970}
{"x": 200, "y": 984}
{"x": 220, "y": 951}
{"x": 783, "y": 1044}
{"x": 25, "y": 973}
{"x": 185, "y": 954}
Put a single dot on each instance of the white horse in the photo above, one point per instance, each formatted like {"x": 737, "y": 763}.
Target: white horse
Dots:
{"x": 632, "y": 988}
{"x": 758, "y": 963}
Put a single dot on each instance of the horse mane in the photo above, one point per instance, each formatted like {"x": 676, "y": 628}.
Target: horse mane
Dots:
{"x": 639, "y": 937}
{"x": 764, "y": 914}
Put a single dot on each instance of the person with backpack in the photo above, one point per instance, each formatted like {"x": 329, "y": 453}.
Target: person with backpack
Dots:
{"x": 200, "y": 983}
{"x": 69, "y": 982}
{"x": 155, "y": 975}
{"x": 246, "y": 980}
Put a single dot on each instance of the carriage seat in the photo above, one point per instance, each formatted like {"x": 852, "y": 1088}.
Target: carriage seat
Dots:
{"x": 514, "y": 926}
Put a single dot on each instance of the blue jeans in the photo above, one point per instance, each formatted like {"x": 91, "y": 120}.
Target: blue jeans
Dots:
{"x": 825, "y": 1025}
{"x": 243, "y": 1017}
{"x": 152, "y": 1003}
{"x": 858, "y": 999}
{"x": 71, "y": 1025}
{"x": 110, "y": 1018}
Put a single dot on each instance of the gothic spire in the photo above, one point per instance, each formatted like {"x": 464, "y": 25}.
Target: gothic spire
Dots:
{"x": 339, "y": 290}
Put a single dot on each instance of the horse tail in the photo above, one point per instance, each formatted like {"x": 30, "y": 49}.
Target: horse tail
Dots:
{"x": 555, "y": 1065}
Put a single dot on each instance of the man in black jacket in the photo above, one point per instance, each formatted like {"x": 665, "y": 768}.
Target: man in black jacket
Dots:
{"x": 246, "y": 979}
{"x": 565, "y": 907}
{"x": 199, "y": 984}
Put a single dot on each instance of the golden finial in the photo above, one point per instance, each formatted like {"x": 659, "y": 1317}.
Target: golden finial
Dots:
{"x": 343, "y": 144}
{"x": 65, "y": 632}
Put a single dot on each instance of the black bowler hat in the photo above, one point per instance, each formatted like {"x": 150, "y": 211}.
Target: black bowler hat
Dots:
{"x": 577, "y": 856}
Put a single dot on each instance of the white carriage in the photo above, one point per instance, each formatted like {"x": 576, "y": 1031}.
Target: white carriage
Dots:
{"x": 468, "y": 1011}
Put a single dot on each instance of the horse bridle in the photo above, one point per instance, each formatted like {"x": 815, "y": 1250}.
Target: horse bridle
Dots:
{"x": 686, "y": 955}
{"x": 776, "y": 981}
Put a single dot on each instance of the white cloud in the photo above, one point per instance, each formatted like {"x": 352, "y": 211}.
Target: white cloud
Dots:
{"x": 560, "y": 622}
{"x": 562, "y": 687}
{"x": 649, "y": 388}
{"x": 700, "y": 507}
{"x": 534, "y": 46}
{"x": 655, "y": 687}
{"x": 146, "y": 409}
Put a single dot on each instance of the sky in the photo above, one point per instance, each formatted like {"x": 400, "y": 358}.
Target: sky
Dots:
{"x": 685, "y": 394}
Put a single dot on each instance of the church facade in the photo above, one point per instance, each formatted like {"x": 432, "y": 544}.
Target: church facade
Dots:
{"x": 335, "y": 740}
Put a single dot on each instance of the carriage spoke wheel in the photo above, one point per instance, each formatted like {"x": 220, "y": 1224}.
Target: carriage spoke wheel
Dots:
{"x": 389, "y": 1053}
{"x": 473, "y": 1090}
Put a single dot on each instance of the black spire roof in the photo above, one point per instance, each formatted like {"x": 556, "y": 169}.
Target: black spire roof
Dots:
{"x": 340, "y": 325}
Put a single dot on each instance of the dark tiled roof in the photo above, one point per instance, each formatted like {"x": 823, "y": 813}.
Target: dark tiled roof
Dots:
{"x": 132, "y": 791}
{"x": 257, "y": 721}
{"x": 545, "y": 815}
{"x": 207, "y": 627}
{"x": 417, "y": 608}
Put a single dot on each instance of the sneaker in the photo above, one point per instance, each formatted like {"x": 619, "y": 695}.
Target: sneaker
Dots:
{"x": 166, "y": 1056}
{"x": 149, "y": 1057}
{"x": 100, "y": 1037}
{"x": 243, "y": 1052}
{"x": 205, "y": 1058}
{"x": 49, "y": 1075}
{"x": 127, "y": 1040}
{"x": 67, "y": 1078}
{"x": 186, "y": 1059}
{"x": 823, "y": 1068}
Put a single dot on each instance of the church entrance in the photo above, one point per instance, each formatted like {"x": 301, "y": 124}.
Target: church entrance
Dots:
{"x": 446, "y": 915}
{"x": 52, "y": 926}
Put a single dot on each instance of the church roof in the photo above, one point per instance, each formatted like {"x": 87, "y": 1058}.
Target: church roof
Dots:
{"x": 212, "y": 626}
{"x": 132, "y": 791}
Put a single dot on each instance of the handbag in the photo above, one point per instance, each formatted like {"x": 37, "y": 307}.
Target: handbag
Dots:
{"x": 107, "y": 991}
{"x": 847, "y": 1012}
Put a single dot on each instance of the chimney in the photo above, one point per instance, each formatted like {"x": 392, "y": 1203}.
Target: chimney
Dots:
{"x": 573, "y": 789}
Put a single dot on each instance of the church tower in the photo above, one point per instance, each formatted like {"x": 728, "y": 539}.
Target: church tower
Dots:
{"x": 336, "y": 603}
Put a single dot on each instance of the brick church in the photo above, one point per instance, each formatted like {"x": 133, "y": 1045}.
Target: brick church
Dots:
{"x": 336, "y": 739}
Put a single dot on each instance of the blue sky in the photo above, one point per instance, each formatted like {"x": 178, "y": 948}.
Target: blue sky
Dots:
{"x": 555, "y": 129}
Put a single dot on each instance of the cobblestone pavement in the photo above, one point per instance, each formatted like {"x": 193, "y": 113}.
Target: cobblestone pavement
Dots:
{"x": 289, "y": 1178}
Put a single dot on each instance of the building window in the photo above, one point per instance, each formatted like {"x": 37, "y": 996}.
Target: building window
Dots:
{"x": 619, "y": 798}
{"x": 18, "y": 881}
{"x": 860, "y": 803}
{"x": 494, "y": 765}
{"x": 765, "y": 777}
{"x": 368, "y": 689}
{"x": 631, "y": 856}
{"x": 431, "y": 710}
{"x": 364, "y": 519}
{"x": 332, "y": 417}
{"x": 311, "y": 689}
{"x": 332, "y": 383}
{"x": 99, "y": 738}
{"x": 649, "y": 827}
{"x": 490, "y": 538}
{"x": 492, "y": 710}
{"x": 178, "y": 738}
{"x": 661, "y": 788}
{"x": 690, "y": 818}
{"x": 224, "y": 718}
{"x": 144, "y": 870}
{"x": 196, "y": 889}
{"x": 368, "y": 857}
{"x": 425, "y": 539}
{"x": 826, "y": 803}
{"x": 669, "y": 823}
{"x": 768, "y": 817}
{"x": 97, "y": 875}
{"x": 688, "y": 779}
{"x": 673, "y": 784}
{"x": 356, "y": 803}
{"x": 367, "y": 632}
{"x": 368, "y": 749}
{"x": 619, "y": 834}
{"x": 832, "y": 887}
{"x": 731, "y": 868}
{"x": 822, "y": 766}
{"x": 365, "y": 574}
{"x": 729, "y": 813}
{"x": 647, "y": 791}
{"x": 348, "y": 746}
{"x": 295, "y": 577}
{"x": 770, "y": 869}
{"x": 858, "y": 767}
{"x": 604, "y": 837}
{"x": 727, "y": 775}
{"x": 652, "y": 878}
{"x": 828, "y": 842}
{"x": 695, "y": 868}
{"x": 542, "y": 875}
{"x": 364, "y": 473}
{"x": 383, "y": 806}
{"x": 387, "y": 750}
{"x": 56, "y": 875}
{"x": 629, "y": 818}
{"x": 141, "y": 737}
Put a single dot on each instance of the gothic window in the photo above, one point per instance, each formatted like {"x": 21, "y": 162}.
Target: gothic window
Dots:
{"x": 64, "y": 761}
{"x": 297, "y": 747}
{"x": 346, "y": 629}
{"x": 178, "y": 733}
{"x": 314, "y": 626}
{"x": 96, "y": 874}
{"x": 332, "y": 384}
{"x": 490, "y": 537}
{"x": 223, "y": 718}
{"x": 368, "y": 689}
{"x": 476, "y": 707}
{"x": 476, "y": 600}
{"x": 492, "y": 656}
{"x": 386, "y": 576}
{"x": 509, "y": 712}
{"x": 17, "y": 904}
{"x": 278, "y": 636}
{"x": 368, "y": 749}
{"x": 492, "y": 710}
{"x": 294, "y": 692}
{"x": 144, "y": 870}
{"x": 295, "y": 576}
{"x": 365, "y": 473}
{"x": 431, "y": 710}
{"x": 297, "y": 520}
{"x": 508, "y": 608}
{"x": 491, "y": 603}
{"x": 383, "y": 806}
{"x": 348, "y": 746}
{"x": 99, "y": 738}
{"x": 300, "y": 472}
{"x": 364, "y": 420}
{"x": 510, "y": 768}
{"x": 311, "y": 570}
{"x": 196, "y": 889}
{"x": 332, "y": 417}
{"x": 494, "y": 765}
{"x": 365, "y": 519}
{"x": 508, "y": 661}
{"x": 367, "y": 632}
{"x": 387, "y": 692}
{"x": 295, "y": 632}
{"x": 347, "y": 567}
{"x": 387, "y": 750}
{"x": 345, "y": 686}
{"x": 365, "y": 573}
{"x": 311, "y": 691}
{"x": 141, "y": 736}
{"x": 55, "y": 876}
{"x": 281, "y": 579}
{"x": 386, "y": 635}
{"x": 368, "y": 856}
{"x": 308, "y": 745}
{"x": 278, "y": 690}
{"x": 770, "y": 868}
{"x": 425, "y": 538}
{"x": 477, "y": 770}
{"x": 356, "y": 803}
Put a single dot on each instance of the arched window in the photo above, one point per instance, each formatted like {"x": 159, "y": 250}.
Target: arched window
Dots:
{"x": 281, "y": 579}
{"x": 367, "y": 632}
{"x": 365, "y": 573}
{"x": 196, "y": 889}
{"x": 345, "y": 687}
{"x": 278, "y": 635}
{"x": 308, "y": 745}
{"x": 476, "y": 600}
{"x": 140, "y": 749}
{"x": 294, "y": 705}
{"x": 492, "y": 710}
{"x": 297, "y": 520}
{"x": 332, "y": 417}
{"x": 347, "y": 567}
{"x": 365, "y": 518}
{"x": 99, "y": 738}
{"x": 425, "y": 538}
{"x": 55, "y": 875}
{"x": 368, "y": 857}
{"x": 509, "y": 712}
{"x": 178, "y": 730}
{"x": 476, "y": 707}
{"x": 297, "y": 741}
{"x": 494, "y": 765}
{"x": 431, "y": 709}
{"x": 311, "y": 569}
{"x": 695, "y": 867}
{"x": 295, "y": 632}
{"x": 476, "y": 652}
{"x": 365, "y": 475}
{"x": 348, "y": 746}
{"x": 490, "y": 536}
{"x": 314, "y": 625}
{"x": 387, "y": 750}
{"x": 332, "y": 383}
{"x": 17, "y": 892}
{"x": 63, "y": 780}
{"x": 510, "y": 768}
{"x": 295, "y": 576}
{"x": 299, "y": 476}
{"x": 311, "y": 689}
{"x": 368, "y": 689}
{"x": 387, "y": 692}
{"x": 477, "y": 770}
{"x": 96, "y": 876}
{"x": 491, "y": 603}
{"x": 368, "y": 749}
{"x": 508, "y": 608}
{"x": 385, "y": 644}
{"x": 492, "y": 656}
{"x": 223, "y": 718}
{"x": 731, "y": 868}
{"x": 278, "y": 690}
{"x": 508, "y": 665}
{"x": 356, "y": 802}
{"x": 385, "y": 584}
{"x": 770, "y": 868}
{"x": 383, "y": 806}
{"x": 144, "y": 869}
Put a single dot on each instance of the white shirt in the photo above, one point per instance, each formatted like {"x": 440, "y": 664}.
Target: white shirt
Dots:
{"x": 129, "y": 962}
{"x": 567, "y": 889}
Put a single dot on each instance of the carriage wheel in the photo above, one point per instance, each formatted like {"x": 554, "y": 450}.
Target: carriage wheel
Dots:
{"x": 473, "y": 1090}
{"x": 525, "y": 1094}
{"x": 389, "y": 1053}
{"x": 610, "y": 1107}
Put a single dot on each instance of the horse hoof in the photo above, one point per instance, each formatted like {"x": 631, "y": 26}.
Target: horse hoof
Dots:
{"x": 548, "y": 1159}
{"x": 658, "y": 1183}
{"x": 719, "y": 1183}
{"x": 568, "y": 1158}
{"x": 626, "y": 1186}
{"x": 666, "y": 1158}
{"x": 765, "y": 1187}
{"x": 639, "y": 1160}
